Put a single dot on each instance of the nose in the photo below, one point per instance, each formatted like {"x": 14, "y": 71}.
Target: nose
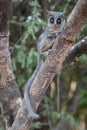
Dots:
{"x": 55, "y": 25}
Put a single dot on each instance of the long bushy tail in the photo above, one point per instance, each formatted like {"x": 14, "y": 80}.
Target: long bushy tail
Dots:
{"x": 28, "y": 85}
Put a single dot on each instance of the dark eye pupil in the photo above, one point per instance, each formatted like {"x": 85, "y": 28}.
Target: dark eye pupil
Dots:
{"x": 58, "y": 21}
{"x": 52, "y": 20}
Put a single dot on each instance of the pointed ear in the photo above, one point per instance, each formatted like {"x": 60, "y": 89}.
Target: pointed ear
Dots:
{"x": 48, "y": 13}
{"x": 64, "y": 15}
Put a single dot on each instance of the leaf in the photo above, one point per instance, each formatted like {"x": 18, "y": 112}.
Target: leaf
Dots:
{"x": 37, "y": 125}
{"x": 21, "y": 56}
{"x": 31, "y": 58}
{"x": 1, "y": 128}
{"x": 14, "y": 64}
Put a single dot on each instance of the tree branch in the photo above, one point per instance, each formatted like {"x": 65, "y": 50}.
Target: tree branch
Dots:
{"x": 53, "y": 63}
{"x": 76, "y": 51}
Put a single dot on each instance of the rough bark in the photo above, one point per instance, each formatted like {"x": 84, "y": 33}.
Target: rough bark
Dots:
{"x": 9, "y": 93}
{"x": 4, "y": 17}
{"x": 53, "y": 63}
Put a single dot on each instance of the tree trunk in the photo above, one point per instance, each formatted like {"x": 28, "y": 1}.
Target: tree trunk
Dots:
{"x": 9, "y": 93}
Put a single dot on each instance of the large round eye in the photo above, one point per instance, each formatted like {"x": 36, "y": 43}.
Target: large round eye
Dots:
{"x": 59, "y": 21}
{"x": 52, "y": 20}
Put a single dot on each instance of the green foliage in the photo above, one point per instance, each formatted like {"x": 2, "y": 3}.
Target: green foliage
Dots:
{"x": 33, "y": 22}
{"x": 36, "y": 125}
{"x": 83, "y": 101}
{"x": 31, "y": 58}
{"x": 24, "y": 59}
{"x": 72, "y": 120}
{"x": 83, "y": 59}
{"x": 83, "y": 32}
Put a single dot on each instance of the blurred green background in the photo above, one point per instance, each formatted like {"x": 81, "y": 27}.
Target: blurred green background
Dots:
{"x": 28, "y": 20}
